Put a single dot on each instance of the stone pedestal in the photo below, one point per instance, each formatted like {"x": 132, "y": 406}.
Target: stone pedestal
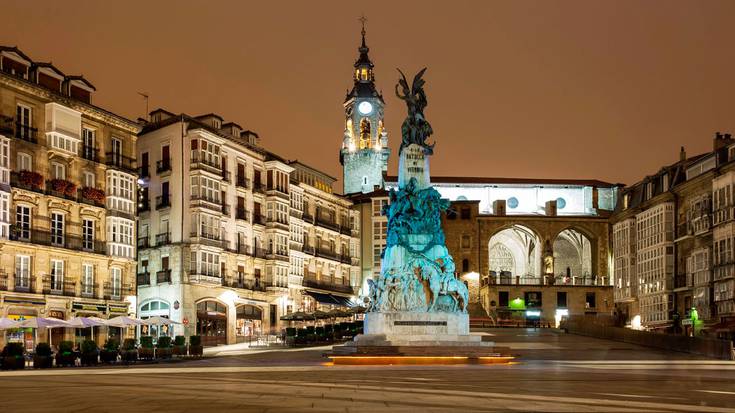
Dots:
{"x": 413, "y": 163}
{"x": 406, "y": 324}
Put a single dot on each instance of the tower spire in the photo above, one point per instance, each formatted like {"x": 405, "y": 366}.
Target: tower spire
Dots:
{"x": 363, "y": 20}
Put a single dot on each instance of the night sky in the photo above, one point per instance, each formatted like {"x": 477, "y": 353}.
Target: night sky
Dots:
{"x": 540, "y": 89}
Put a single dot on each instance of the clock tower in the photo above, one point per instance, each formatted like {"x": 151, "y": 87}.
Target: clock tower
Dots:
{"x": 364, "y": 153}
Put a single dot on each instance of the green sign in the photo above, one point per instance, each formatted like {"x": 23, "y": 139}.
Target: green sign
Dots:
{"x": 517, "y": 304}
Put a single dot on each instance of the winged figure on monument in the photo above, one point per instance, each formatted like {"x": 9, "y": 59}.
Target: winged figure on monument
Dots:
{"x": 415, "y": 128}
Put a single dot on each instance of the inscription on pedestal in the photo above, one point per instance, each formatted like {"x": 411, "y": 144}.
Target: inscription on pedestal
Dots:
{"x": 419, "y": 323}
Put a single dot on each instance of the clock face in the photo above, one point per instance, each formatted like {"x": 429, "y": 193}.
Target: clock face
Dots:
{"x": 365, "y": 107}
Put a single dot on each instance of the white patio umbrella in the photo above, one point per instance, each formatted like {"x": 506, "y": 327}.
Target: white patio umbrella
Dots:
{"x": 84, "y": 322}
{"x": 8, "y": 323}
{"x": 123, "y": 322}
{"x": 160, "y": 321}
{"x": 41, "y": 322}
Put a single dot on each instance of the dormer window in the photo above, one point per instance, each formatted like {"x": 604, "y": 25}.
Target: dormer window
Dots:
{"x": 216, "y": 123}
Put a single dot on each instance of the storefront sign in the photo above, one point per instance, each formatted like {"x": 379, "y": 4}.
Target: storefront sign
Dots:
{"x": 241, "y": 300}
{"x": 56, "y": 314}
{"x": 121, "y": 310}
{"x": 89, "y": 307}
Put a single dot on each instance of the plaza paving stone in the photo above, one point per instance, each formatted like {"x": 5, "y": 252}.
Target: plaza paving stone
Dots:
{"x": 555, "y": 372}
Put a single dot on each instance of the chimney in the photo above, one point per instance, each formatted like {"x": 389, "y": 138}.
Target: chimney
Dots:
{"x": 682, "y": 154}
{"x": 721, "y": 140}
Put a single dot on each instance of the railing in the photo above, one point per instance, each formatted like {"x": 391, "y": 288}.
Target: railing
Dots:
{"x": 206, "y": 202}
{"x": 201, "y": 162}
{"x": 70, "y": 242}
{"x": 27, "y": 184}
{"x": 25, "y": 132}
{"x": 163, "y": 201}
{"x": 258, "y": 187}
{"x": 58, "y": 287}
{"x": 3, "y": 281}
{"x": 24, "y": 283}
{"x": 242, "y": 181}
{"x": 242, "y": 282}
{"x": 345, "y": 230}
{"x": 307, "y": 217}
{"x": 57, "y": 191}
{"x": 164, "y": 165}
{"x": 90, "y": 153}
{"x": 163, "y": 239}
{"x": 120, "y": 161}
{"x": 143, "y": 278}
{"x": 329, "y": 224}
{"x": 682, "y": 281}
{"x": 144, "y": 205}
{"x": 279, "y": 255}
{"x": 226, "y": 175}
{"x": 242, "y": 213}
{"x": 225, "y": 209}
{"x": 88, "y": 290}
{"x": 144, "y": 242}
{"x": 259, "y": 219}
{"x": 163, "y": 276}
{"x": 205, "y": 279}
{"x": 502, "y": 279}
{"x": 257, "y": 252}
{"x": 144, "y": 171}
{"x": 7, "y": 124}
{"x": 242, "y": 249}
{"x": 327, "y": 254}
{"x": 117, "y": 292}
{"x": 91, "y": 198}
{"x": 328, "y": 283}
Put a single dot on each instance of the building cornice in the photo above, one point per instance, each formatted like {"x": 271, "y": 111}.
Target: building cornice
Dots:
{"x": 86, "y": 109}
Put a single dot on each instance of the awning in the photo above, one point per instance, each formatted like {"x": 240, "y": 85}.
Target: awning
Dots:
{"x": 330, "y": 299}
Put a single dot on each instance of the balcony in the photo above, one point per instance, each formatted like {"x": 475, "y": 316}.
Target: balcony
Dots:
{"x": 242, "y": 182}
{"x": 61, "y": 188}
{"x": 143, "y": 278}
{"x": 144, "y": 171}
{"x": 117, "y": 291}
{"x": 241, "y": 281}
{"x": 583, "y": 280}
{"x": 257, "y": 252}
{"x": 324, "y": 253}
{"x": 277, "y": 223}
{"x": 259, "y": 220}
{"x": 7, "y": 126}
{"x": 206, "y": 279}
{"x": 163, "y": 166}
{"x": 163, "y": 276}
{"x": 53, "y": 286}
{"x": 163, "y": 201}
{"x": 226, "y": 176}
{"x": 213, "y": 240}
{"x": 89, "y": 290}
{"x": 328, "y": 283}
{"x": 345, "y": 230}
{"x": 3, "y": 281}
{"x": 258, "y": 187}
{"x": 200, "y": 161}
{"x": 206, "y": 202}
{"x": 307, "y": 217}
{"x": 278, "y": 255}
{"x": 121, "y": 162}
{"x": 683, "y": 281}
{"x": 90, "y": 153}
{"x": 70, "y": 242}
{"x": 144, "y": 242}
{"x": 327, "y": 223}
{"x": 24, "y": 283}
{"x": 28, "y": 180}
{"x": 163, "y": 239}
{"x": 273, "y": 191}
{"x": 26, "y": 133}
{"x": 242, "y": 213}
{"x": 91, "y": 196}
{"x": 226, "y": 209}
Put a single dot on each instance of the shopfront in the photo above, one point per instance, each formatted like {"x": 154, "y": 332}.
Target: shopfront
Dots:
{"x": 81, "y": 309}
{"x": 155, "y": 309}
{"x": 24, "y": 336}
{"x": 249, "y": 322}
{"x": 212, "y": 323}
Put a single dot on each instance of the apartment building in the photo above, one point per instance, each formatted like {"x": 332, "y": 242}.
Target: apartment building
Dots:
{"x": 227, "y": 235}
{"x": 67, "y": 198}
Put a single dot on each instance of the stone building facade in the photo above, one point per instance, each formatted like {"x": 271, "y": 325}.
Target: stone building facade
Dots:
{"x": 230, "y": 234}
{"x": 67, "y": 198}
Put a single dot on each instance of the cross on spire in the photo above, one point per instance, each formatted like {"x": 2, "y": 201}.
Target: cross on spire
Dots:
{"x": 363, "y": 20}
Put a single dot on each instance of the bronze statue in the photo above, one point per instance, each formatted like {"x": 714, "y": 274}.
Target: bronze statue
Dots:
{"x": 415, "y": 128}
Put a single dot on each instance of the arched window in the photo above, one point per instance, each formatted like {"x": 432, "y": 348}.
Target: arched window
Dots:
{"x": 155, "y": 308}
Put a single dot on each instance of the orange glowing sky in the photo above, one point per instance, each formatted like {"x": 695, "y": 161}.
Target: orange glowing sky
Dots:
{"x": 547, "y": 89}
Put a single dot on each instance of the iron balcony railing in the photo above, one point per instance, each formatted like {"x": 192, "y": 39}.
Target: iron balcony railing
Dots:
{"x": 163, "y": 239}
{"x": 60, "y": 240}
{"x": 117, "y": 291}
{"x": 164, "y": 165}
{"x": 88, "y": 290}
{"x": 58, "y": 286}
{"x": 200, "y": 161}
{"x": 163, "y": 276}
{"x": 121, "y": 162}
{"x": 144, "y": 242}
{"x": 163, "y": 201}
{"x": 143, "y": 278}
{"x": 242, "y": 181}
{"x": 24, "y": 283}
{"x": 329, "y": 284}
{"x": 226, "y": 175}
{"x": 242, "y": 213}
{"x": 25, "y": 132}
{"x": 240, "y": 280}
{"x": 90, "y": 153}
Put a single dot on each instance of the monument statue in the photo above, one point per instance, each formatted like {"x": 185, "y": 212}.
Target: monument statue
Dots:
{"x": 417, "y": 273}
{"x": 415, "y": 128}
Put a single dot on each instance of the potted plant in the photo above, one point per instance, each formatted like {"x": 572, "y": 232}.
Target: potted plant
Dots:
{"x": 145, "y": 352}
{"x": 30, "y": 178}
{"x": 129, "y": 353}
{"x": 12, "y": 356}
{"x": 179, "y": 346}
{"x": 43, "y": 359}
{"x": 163, "y": 347}
{"x": 109, "y": 351}
{"x": 65, "y": 356}
{"x": 93, "y": 194}
{"x": 90, "y": 353}
{"x": 195, "y": 346}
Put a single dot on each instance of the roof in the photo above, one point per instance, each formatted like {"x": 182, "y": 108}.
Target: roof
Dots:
{"x": 209, "y": 115}
{"x": 81, "y": 79}
{"x": 296, "y": 161}
{"x": 231, "y": 124}
{"x": 48, "y": 65}
{"x": 14, "y": 49}
{"x": 509, "y": 181}
{"x": 162, "y": 110}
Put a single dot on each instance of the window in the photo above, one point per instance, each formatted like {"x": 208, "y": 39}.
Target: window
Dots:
{"x": 465, "y": 265}
{"x": 503, "y": 298}
{"x": 120, "y": 191}
{"x": 57, "y": 228}
{"x": 57, "y": 274}
{"x": 120, "y": 237}
{"x": 58, "y": 170}
{"x": 465, "y": 241}
{"x": 205, "y": 263}
{"x": 87, "y": 279}
{"x": 88, "y": 136}
{"x": 117, "y": 149}
{"x": 115, "y": 281}
{"x": 24, "y": 118}
{"x": 89, "y": 179}
{"x": 88, "y": 234}
{"x": 533, "y": 298}
{"x": 23, "y": 222}
{"x": 25, "y": 162}
{"x": 561, "y": 299}
{"x": 590, "y": 300}
{"x": 23, "y": 271}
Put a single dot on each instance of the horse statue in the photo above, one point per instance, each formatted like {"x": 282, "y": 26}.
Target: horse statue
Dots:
{"x": 458, "y": 291}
